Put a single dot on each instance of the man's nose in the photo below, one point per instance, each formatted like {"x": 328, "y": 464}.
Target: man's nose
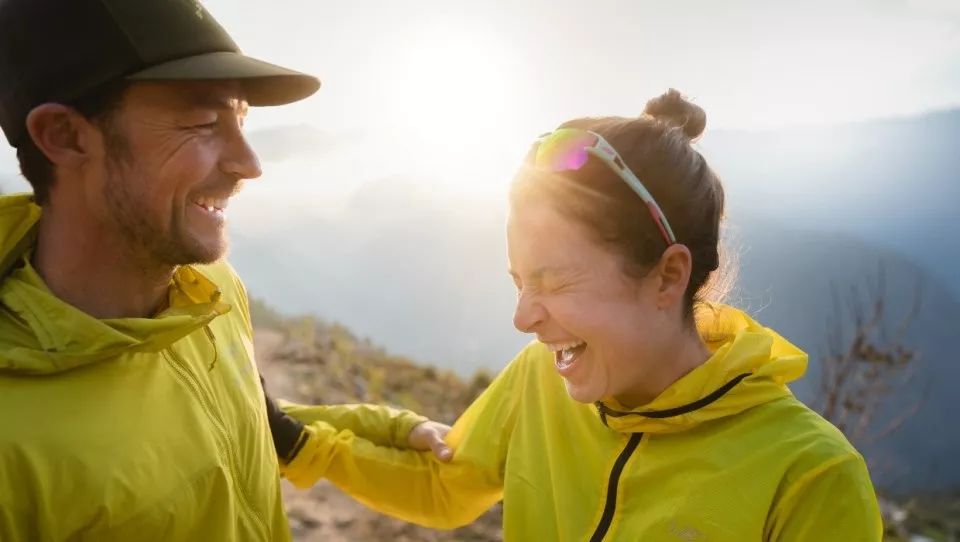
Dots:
{"x": 239, "y": 159}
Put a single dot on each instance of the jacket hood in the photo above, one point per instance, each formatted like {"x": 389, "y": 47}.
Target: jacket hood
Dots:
{"x": 750, "y": 365}
{"x": 40, "y": 334}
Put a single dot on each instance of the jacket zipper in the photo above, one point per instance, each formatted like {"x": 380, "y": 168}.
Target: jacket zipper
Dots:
{"x": 609, "y": 508}
{"x": 187, "y": 378}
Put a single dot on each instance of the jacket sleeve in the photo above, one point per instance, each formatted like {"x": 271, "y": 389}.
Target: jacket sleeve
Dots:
{"x": 415, "y": 486}
{"x": 833, "y": 503}
{"x": 381, "y": 425}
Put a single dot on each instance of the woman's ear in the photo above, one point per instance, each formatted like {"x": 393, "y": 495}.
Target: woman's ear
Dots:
{"x": 673, "y": 272}
{"x": 61, "y": 134}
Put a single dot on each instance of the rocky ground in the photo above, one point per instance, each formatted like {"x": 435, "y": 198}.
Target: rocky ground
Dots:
{"x": 312, "y": 362}
{"x": 335, "y": 368}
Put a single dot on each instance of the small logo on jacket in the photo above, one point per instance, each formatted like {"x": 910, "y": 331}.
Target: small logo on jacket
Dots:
{"x": 686, "y": 533}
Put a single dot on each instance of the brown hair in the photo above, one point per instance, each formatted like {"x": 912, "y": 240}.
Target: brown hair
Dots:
{"x": 656, "y": 147}
{"x": 98, "y": 106}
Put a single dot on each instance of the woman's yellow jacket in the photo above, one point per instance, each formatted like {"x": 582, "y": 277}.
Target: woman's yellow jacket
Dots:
{"x": 726, "y": 453}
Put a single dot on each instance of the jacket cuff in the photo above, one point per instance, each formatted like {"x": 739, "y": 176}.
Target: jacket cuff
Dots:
{"x": 287, "y": 432}
{"x": 405, "y": 422}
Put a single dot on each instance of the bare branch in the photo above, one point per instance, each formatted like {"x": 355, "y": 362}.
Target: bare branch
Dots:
{"x": 866, "y": 365}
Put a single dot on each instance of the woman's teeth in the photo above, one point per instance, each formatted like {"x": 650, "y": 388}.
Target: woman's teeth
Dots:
{"x": 566, "y": 358}
{"x": 565, "y": 353}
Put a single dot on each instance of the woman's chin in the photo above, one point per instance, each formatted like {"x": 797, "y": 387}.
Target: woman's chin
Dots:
{"x": 582, "y": 394}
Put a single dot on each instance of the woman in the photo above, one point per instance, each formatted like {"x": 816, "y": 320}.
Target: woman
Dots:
{"x": 641, "y": 411}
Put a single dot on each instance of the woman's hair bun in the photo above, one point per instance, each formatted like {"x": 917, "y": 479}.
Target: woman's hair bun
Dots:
{"x": 673, "y": 109}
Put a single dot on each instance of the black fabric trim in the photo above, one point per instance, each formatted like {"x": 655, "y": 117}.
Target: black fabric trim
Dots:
{"x": 609, "y": 507}
{"x": 670, "y": 412}
{"x": 287, "y": 432}
{"x": 296, "y": 449}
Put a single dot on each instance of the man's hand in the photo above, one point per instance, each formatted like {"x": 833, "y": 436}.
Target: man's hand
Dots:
{"x": 429, "y": 436}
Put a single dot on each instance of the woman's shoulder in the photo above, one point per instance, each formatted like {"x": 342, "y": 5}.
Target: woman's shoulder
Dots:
{"x": 818, "y": 464}
{"x": 797, "y": 432}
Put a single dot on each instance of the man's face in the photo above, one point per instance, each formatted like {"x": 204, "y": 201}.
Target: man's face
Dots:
{"x": 174, "y": 155}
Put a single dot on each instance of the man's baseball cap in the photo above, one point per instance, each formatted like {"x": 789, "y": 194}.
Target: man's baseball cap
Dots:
{"x": 58, "y": 50}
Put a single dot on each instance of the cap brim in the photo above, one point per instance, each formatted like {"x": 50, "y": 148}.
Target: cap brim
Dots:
{"x": 264, "y": 83}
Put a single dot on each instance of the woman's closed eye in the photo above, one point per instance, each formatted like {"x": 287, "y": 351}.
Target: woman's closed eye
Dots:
{"x": 558, "y": 287}
{"x": 516, "y": 282}
{"x": 527, "y": 289}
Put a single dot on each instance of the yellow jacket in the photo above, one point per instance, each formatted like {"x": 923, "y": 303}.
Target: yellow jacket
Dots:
{"x": 724, "y": 454}
{"x": 141, "y": 429}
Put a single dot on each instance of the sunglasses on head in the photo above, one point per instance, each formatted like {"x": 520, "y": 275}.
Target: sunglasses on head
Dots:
{"x": 568, "y": 149}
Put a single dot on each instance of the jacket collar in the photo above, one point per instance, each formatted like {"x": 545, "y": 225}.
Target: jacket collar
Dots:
{"x": 39, "y": 333}
{"x": 750, "y": 366}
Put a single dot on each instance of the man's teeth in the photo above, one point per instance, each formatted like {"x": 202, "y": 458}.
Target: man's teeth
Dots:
{"x": 212, "y": 204}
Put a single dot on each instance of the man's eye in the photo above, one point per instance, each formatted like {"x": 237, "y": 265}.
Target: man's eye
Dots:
{"x": 207, "y": 126}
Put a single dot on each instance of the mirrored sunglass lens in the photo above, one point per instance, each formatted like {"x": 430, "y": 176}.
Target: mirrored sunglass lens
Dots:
{"x": 565, "y": 150}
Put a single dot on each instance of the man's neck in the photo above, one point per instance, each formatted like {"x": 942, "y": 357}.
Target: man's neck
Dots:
{"x": 91, "y": 269}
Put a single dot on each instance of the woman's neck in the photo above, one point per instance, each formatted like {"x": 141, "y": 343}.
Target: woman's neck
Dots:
{"x": 684, "y": 354}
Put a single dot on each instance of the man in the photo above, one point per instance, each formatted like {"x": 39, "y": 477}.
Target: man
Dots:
{"x": 130, "y": 403}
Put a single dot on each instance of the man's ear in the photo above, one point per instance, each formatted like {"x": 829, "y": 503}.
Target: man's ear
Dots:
{"x": 62, "y": 134}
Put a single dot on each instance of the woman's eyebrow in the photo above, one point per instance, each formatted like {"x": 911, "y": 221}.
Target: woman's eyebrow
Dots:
{"x": 547, "y": 271}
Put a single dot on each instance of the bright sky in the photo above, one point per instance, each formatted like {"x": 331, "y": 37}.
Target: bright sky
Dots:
{"x": 449, "y": 93}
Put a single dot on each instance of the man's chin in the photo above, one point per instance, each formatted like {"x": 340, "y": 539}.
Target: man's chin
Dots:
{"x": 212, "y": 253}
{"x": 199, "y": 250}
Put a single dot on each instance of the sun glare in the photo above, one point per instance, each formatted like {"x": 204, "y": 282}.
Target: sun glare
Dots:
{"x": 453, "y": 101}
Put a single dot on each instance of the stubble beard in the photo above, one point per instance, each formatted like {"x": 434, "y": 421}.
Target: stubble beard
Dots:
{"x": 139, "y": 227}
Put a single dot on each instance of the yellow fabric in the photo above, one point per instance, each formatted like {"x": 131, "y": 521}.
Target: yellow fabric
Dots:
{"x": 755, "y": 464}
{"x": 381, "y": 425}
{"x": 146, "y": 429}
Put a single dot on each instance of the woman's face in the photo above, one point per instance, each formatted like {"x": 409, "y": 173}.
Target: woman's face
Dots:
{"x": 604, "y": 328}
